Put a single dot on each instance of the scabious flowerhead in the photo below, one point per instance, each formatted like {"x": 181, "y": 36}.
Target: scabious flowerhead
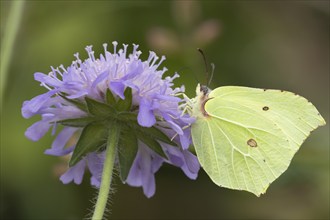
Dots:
{"x": 116, "y": 89}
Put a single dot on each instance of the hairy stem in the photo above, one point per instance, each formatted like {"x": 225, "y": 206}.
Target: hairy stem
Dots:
{"x": 100, "y": 207}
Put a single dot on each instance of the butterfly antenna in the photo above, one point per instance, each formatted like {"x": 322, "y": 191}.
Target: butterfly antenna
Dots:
{"x": 212, "y": 73}
{"x": 205, "y": 63}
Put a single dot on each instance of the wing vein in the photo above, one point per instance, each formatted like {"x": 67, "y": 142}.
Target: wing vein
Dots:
{"x": 213, "y": 148}
{"x": 277, "y": 125}
{"x": 247, "y": 165}
{"x": 261, "y": 167}
{"x": 233, "y": 148}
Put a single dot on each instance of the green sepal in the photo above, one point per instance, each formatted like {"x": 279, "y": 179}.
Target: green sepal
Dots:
{"x": 157, "y": 134}
{"x": 151, "y": 143}
{"x": 109, "y": 98}
{"x": 77, "y": 122}
{"x": 125, "y": 104}
{"x": 127, "y": 116}
{"x": 154, "y": 133}
{"x": 92, "y": 137}
{"x": 100, "y": 109}
{"x": 127, "y": 150}
{"x": 75, "y": 102}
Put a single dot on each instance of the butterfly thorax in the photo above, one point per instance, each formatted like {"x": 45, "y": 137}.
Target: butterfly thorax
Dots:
{"x": 202, "y": 95}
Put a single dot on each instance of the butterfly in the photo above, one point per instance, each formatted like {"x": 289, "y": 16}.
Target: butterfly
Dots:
{"x": 245, "y": 138}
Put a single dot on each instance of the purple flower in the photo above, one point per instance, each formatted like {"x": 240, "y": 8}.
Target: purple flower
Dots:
{"x": 147, "y": 163}
{"x": 153, "y": 100}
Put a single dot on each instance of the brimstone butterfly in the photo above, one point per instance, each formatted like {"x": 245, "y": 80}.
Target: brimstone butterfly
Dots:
{"x": 245, "y": 138}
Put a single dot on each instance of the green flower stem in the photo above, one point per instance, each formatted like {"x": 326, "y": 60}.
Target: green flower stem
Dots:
{"x": 8, "y": 40}
{"x": 114, "y": 133}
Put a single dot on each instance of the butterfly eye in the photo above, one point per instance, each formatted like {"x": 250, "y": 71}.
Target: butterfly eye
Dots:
{"x": 204, "y": 89}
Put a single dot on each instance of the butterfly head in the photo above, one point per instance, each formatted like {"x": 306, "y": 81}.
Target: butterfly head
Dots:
{"x": 204, "y": 89}
{"x": 202, "y": 92}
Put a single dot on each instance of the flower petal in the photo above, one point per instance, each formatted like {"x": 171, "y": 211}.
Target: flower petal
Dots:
{"x": 60, "y": 141}
{"x": 59, "y": 152}
{"x": 146, "y": 118}
{"x": 95, "y": 165}
{"x": 134, "y": 176}
{"x": 143, "y": 170}
{"x": 175, "y": 156}
{"x": 37, "y": 130}
{"x": 149, "y": 185}
{"x": 74, "y": 173}
{"x": 185, "y": 139}
{"x": 148, "y": 179}
{"x": 118, "y": 88}
{"x": 50, "y": 81}
{"x": 32, "y": 107}
{"x": 191, "y": 164}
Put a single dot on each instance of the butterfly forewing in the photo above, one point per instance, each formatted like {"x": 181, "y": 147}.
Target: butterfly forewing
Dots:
{"x": 293, "y": 114}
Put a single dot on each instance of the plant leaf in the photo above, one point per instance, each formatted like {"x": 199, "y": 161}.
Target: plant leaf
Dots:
{"x": 157, "y": 134}
{"x": 152, "y": 144}
{"x": 127, "y": 150}
{"x": 100, "y": 109}
{"x": 154, "y": 133}
{"x": 109, "y": 98}
{"x": 77, "y": 122}
{"x": 127, "y": 116}
{"x": 92, "y": 138}
{"x": 75, "y": 102}
{"x": 125, "y": 104}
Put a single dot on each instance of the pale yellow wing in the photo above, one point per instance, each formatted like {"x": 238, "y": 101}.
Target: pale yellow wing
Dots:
{"x": 250, "y": 135}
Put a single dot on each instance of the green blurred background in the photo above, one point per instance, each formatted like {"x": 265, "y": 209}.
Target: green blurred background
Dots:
{"x": 268, "y": 44}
